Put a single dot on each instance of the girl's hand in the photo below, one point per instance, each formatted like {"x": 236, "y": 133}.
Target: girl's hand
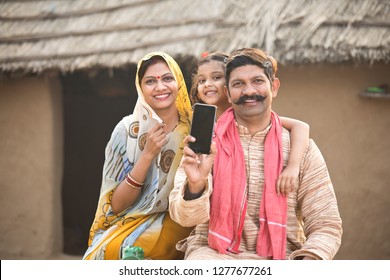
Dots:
{"x": 287, "y": 180}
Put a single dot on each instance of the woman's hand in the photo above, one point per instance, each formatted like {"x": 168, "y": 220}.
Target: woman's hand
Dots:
{"x": 156, "y": 139}
{"x": 197, "y": 166}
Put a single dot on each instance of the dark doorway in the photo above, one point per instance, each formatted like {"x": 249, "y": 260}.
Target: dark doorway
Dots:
{"x": 95, "y": 101}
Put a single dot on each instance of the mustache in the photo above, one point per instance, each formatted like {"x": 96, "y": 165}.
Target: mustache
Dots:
{"x": 244, "y": 98}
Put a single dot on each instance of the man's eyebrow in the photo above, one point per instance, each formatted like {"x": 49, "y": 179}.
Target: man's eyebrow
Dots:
{"x": 261, "y": 76}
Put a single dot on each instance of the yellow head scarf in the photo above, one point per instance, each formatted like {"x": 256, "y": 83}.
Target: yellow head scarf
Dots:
{"x": 183, "y": 103}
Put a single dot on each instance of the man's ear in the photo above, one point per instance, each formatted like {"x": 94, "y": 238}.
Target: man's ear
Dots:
{"x": 275, "y": 87}
{"x": 226, "y": 91}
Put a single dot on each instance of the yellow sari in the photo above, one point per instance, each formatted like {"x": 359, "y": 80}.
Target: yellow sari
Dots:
{"x": 146, "y": 223}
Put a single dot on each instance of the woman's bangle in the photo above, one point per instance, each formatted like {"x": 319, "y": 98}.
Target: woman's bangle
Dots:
{"x": 134, "y": 187}
{"x": 133, "y": 183}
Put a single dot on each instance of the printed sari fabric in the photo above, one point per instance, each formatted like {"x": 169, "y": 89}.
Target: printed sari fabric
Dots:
{"x": 146, "y": 223}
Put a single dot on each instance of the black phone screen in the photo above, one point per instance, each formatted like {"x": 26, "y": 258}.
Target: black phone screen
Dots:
{"x": 202, "y": 127}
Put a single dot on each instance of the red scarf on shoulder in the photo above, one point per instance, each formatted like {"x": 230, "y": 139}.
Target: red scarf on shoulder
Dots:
{"x": 229, "y": 197}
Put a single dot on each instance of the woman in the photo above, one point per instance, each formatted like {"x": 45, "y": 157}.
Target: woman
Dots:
{"x": 141, "y": 160}
{"x": 208, "y": 87}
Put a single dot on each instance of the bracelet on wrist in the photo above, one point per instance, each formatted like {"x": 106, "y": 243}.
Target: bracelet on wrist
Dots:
{"x": 133, "y": 183}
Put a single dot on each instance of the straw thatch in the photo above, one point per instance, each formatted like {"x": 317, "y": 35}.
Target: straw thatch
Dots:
{"x": 67, "y": 35}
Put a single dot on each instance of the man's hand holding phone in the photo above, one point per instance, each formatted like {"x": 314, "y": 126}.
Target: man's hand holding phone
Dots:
{"x": 199, "y": 151}
{"x": 197, "y": 166}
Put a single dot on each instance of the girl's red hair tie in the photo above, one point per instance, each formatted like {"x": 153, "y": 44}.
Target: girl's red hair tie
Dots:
{"x": 204, "y": 54}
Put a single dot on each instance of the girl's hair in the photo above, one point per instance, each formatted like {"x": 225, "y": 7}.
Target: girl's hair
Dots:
{"x": 146, "y": 63}
{"x": 215, "y": 56}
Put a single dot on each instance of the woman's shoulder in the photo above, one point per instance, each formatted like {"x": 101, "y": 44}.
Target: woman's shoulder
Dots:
{"x": 122, "y": 127}
{"x": 125, "y": 122}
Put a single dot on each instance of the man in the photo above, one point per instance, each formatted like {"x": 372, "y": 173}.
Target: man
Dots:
{"x": 230, "y": 194}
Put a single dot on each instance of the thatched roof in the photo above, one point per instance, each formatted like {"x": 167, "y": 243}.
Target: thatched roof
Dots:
{"x": 66, "y": 35}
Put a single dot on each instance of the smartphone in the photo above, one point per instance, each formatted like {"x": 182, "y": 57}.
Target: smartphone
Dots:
{"x": 202, "y": 127}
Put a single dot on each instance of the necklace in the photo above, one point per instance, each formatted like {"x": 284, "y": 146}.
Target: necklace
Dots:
{"x": 171, "y": 127}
